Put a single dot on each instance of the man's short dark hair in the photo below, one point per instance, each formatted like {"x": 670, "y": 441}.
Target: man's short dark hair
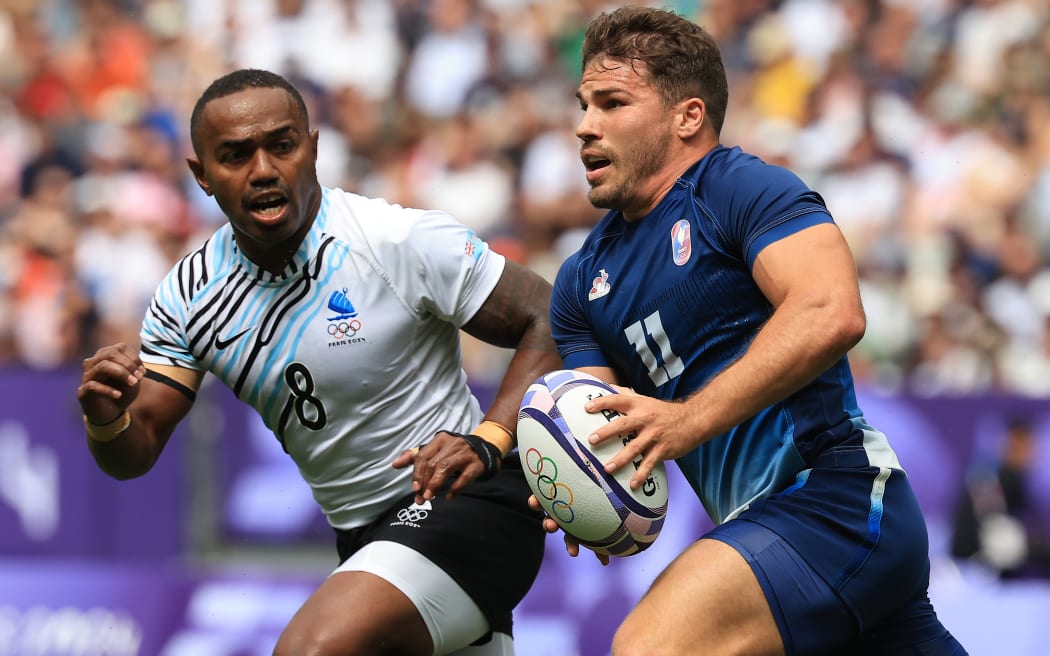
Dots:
{"x": 235, "y": 82}
{"x": 682, "y": 59}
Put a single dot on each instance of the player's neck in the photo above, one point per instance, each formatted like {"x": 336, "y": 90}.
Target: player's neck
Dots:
{"x": 273, "y": 258}
{"x": 652, "y": 191}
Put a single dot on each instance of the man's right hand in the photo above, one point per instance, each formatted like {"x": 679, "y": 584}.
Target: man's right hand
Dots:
{"x": 110, "y": 383}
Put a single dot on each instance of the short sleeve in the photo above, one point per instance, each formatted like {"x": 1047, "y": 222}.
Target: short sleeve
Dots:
{"x": 576, "y": 343}
{"x": 457, "y": 270}
{"x": 163, "y": 334}
{"x": 766, "y": 204}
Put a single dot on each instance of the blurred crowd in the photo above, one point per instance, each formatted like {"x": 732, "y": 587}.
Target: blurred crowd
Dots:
{"x": 925, "y": 125}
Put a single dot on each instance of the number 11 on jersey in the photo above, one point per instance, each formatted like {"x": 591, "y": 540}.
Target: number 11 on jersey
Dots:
{"x": 650, "y": 330}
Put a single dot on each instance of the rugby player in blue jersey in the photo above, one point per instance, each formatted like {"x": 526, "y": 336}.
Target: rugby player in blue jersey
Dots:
{"x": 338, "y": 318}
{"x": 719, "y": 289}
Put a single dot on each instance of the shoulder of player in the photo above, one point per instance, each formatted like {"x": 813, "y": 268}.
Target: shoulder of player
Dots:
{"x": 575, "y": 270}
{"x": 376, "y": 219}
{"x": 733, "y": 172}
{"x": 609, "y": 227}
{"x": 206, "y": 262}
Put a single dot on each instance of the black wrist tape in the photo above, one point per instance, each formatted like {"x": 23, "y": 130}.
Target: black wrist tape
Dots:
{"x": 488, "y": 453}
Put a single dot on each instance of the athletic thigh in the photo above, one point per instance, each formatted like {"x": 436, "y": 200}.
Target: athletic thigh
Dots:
{"x": 389, "y": 599}
{"x": 461, "y": 564}
{"x": 442, "y": 575}
{"x": 707, "y": 601}
{"x": 356, "y": 613}
{"x": 452, "y": 619}
{"x": 486, "y": 539}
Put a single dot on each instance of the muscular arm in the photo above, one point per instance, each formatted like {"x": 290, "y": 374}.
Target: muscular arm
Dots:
{"x": 517, "y": 315}
{"x": 811, "y": 280}
{"x": 114, "y": 380}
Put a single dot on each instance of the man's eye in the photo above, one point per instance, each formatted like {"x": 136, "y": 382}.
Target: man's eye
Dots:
{"x": 233, "y": 156}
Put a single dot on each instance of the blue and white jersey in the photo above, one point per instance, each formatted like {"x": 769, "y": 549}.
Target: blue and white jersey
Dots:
{"x": 351, "y": 355}
{"x": 669, "y": 301}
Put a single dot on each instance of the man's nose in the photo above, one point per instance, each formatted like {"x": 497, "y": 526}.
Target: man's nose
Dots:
{"x": 262, "y": 168}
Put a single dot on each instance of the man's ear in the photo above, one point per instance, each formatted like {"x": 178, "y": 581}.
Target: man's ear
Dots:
{"x": 692, "y": 115}
{"x": 198, "y": 174}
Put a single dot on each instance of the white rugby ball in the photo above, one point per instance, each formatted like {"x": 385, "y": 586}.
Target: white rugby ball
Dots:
{"x": 567, "y": 474}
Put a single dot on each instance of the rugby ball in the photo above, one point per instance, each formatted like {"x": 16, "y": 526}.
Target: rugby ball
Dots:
{"x": 567, "y": 474}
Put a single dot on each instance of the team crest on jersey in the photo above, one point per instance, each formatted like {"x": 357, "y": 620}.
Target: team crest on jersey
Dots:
{"x": 600, "y": 286}
{"x": 340, "y": 303}
{"x": 344, "y": 326}
{"x": 681, "y": 242}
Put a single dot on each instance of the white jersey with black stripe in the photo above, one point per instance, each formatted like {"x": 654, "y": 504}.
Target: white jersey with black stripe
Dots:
{"x": 352, "y": 354}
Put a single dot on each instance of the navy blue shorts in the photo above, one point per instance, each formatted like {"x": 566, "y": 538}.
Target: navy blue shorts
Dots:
{"x": 843, "y": 558}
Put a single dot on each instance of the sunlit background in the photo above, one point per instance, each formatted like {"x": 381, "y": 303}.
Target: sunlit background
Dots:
{"x": 925, "y": 125}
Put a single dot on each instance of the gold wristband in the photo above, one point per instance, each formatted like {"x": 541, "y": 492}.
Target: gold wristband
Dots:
{"x": 497, "y": 435}
{"x": 108, "y": 432}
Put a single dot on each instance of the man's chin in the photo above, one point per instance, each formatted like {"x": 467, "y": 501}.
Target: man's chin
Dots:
{"x": 601, "y": 199}
{"x": 263, "y": 234}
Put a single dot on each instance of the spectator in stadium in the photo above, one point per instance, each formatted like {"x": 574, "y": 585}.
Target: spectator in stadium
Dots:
{"x": 900, "y": 108}
{"x": 997, "y": 513}
{"x": 719, "y": 290}
{"x": 338, "y": 318}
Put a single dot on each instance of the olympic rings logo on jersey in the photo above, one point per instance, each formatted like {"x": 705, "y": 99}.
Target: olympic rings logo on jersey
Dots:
{"x": 344, "y": 329}
{"x": 559, "y": 494}
{"x": 413, "y": 514}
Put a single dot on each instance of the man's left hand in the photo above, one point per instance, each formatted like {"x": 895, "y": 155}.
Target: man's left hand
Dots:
{"x": 444, "y": 459}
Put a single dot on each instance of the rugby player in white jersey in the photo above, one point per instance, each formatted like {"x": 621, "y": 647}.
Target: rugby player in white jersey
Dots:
{"x": 338, "y": 318}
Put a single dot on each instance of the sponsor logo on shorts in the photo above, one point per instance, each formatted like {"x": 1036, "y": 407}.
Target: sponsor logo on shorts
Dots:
{"x": 413, "y": 514}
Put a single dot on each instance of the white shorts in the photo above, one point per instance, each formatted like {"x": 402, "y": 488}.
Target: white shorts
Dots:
{"x": 451, "y": 616}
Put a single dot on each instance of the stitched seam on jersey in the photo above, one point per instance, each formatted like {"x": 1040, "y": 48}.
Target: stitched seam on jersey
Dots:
{"x": 776, "y": 223}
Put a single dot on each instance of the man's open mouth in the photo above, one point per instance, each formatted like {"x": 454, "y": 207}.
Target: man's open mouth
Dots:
{"x": 268, "y": 206}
